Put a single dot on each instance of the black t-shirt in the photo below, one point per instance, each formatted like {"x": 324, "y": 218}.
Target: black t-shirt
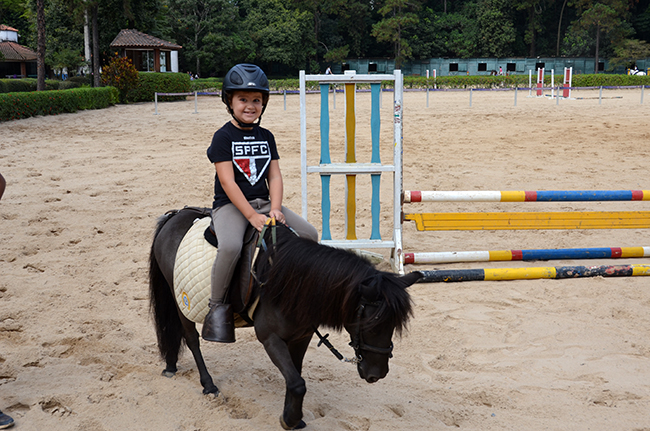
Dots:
{"x": 251, "y": 152}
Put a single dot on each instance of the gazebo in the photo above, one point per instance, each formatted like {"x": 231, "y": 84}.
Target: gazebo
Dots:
{"x": 16, "y": 61}
{"x": 148, "y": 53}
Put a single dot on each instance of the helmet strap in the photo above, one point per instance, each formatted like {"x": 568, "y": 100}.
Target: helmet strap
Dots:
{"x": 246, "y": 125}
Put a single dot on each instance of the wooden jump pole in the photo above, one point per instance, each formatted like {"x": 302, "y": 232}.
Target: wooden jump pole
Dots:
{"x": 530, "y": 220}
{"x": 526, "y": 196}
{"x": 557, "y": 272}
{"x": 526, "y": 255}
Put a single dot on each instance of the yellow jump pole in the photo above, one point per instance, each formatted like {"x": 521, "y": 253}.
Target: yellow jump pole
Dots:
{"x": 350, "y": 157}
{"x": 531, "y": 220}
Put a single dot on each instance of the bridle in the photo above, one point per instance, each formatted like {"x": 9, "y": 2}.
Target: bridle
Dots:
{"x": 357, "y": 342}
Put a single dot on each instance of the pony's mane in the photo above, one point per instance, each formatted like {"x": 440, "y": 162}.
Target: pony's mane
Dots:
{"x": 316, "y": 284}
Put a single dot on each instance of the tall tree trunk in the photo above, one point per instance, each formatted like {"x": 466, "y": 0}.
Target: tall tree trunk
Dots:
{"x": 196, "y": 45}
{"x": 40, "y": 51}
{"x": 96, "y": 78}
{"x": 532, "y": 28}
{"x": 87, "y": 56}
{"x": 559, "y": 26}
{"x": 597, "y": 48}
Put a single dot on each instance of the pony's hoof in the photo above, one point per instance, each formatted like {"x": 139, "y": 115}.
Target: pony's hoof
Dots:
{"x": 168, "y": 374}
{"x": 300, "y": 425}
{"x": 211, "y": 391}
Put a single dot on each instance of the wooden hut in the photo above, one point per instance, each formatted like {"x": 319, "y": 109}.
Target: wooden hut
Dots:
{"x": 16, "y": 61}
{"x": 148, "y": 53}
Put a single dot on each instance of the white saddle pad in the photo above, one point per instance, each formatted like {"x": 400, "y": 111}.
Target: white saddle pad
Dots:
{"x": 192, "y": 270}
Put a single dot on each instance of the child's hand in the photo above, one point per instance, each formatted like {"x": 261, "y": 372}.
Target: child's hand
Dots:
{"x": 278, "y": 215}
{"x": 258, "y": 221}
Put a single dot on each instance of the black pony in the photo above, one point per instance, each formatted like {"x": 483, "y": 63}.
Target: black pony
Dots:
{"x": 301, "y": 285}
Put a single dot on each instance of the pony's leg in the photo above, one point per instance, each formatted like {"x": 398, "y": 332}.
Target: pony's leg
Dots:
{"x": 297, "y": 349}
{"x": 191, "y": 336}
{"x": 283, "y": 358}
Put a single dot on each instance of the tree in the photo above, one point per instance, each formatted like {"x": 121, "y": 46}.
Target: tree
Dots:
{"x": 40, "y": 52}
{"x": 533, "y": 9}
{"x": 193, "y": 20}
{"x": 603, "y": 16}
{"x": 559, "y": 28}
{"x": 397, "y": 19}
{"x": 281, "y": 35}
{"x": 495, "y": 28}
{"x": 443, "y": 35}
{"x": 64, "y": 40}
{"x": 628, "y": 51}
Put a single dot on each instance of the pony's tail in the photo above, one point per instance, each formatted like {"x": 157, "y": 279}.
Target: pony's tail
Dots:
{"x": 162, "y": 304}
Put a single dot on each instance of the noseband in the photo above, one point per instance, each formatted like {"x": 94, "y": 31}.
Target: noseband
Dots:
{"x": 357, "y": 342}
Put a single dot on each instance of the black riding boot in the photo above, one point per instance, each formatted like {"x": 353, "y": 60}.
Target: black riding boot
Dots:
{"x": 219, "y": 324}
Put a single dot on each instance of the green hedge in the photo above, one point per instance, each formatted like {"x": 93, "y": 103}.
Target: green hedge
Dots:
{"x": 14, "y": 106}
{"x": 25, "y": 85}
{"x": 206, "y": 84}
{"x": 510, "y": 81}
{"x": 482, "y": 81}
{"x": 151, "y": 83}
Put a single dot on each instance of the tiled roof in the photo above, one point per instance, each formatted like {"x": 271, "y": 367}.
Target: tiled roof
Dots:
{"x": 7, "y": 28}
{"x": 15, "y": 52}
{"x": 135, "y": 39}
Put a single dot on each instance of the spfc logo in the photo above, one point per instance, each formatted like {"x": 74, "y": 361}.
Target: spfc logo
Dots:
{"x": 251, "y": 158}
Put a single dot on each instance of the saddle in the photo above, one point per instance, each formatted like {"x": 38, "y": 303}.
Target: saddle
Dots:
{"x": 193, "y": 267}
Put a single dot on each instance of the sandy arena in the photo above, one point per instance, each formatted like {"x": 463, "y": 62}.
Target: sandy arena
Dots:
{"x": 78, "y": 349}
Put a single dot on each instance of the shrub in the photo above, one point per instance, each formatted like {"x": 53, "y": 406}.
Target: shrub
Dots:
{"x": 14, "y": 106}
{"x": 81, "y": 80}
{"x": 121, "y": 74}
{"x": 206, "y": 84}
{"x": 151, "y": 82}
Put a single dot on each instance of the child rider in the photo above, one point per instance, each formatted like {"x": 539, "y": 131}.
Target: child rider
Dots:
{"x": 247, "y": 187}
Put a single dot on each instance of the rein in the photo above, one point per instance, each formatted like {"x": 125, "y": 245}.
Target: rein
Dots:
{"x": 261, "y": 243}
{"x": 324, "y": 340}
{"x": 357, "y": 342}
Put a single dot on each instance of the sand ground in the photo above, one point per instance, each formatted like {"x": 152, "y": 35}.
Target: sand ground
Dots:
{"x": 77, "y": 345}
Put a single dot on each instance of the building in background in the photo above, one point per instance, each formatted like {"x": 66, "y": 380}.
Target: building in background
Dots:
{"x": 148, "y": 53}
{"x": 16, "y": 61}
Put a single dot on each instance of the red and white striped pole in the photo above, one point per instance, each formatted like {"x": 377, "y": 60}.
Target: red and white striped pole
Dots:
{"x": 568, "y": 75}
{"x": 540, "y": 82}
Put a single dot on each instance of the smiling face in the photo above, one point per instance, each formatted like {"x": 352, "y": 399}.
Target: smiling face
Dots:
{"x": 246, "y": 106}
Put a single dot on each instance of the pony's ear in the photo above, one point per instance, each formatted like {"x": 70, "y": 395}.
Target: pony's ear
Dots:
{"x": 411, "y": 278}
{"x": 369, "y": 288}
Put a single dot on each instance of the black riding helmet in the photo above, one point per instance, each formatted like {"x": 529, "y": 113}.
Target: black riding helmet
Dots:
{"x": 245, "y": 77}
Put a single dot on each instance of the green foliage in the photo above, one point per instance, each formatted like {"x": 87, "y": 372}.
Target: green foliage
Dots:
{"x": 337, "y": 55}
{"x": 628, "y": 51}
{"x": 151, "y": 83}
{"x": 211, "y": 33}
{"x": 397, "y": 15}
{"x": 14, "y": 106}
{"x": 496, "y": 31}
{"x": 286, "y": 36}
{"x": 25, "y": 85}
{"x": 598, "y": 80}
{"x": 479, "y": 81}
{"x": 206, "y": 84}
{"x": 121, "y": 74}
{"x": 17, "y": 85}
{"x": 280, "y": 34}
